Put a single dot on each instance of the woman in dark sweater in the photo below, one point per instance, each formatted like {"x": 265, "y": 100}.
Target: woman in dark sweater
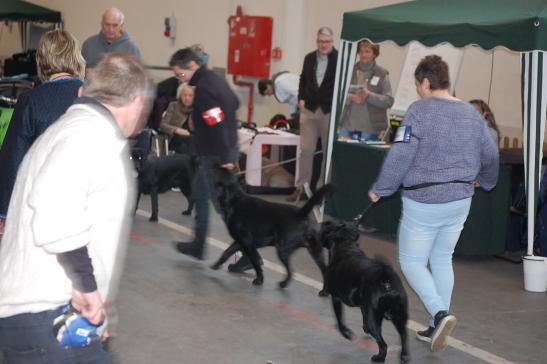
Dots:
{"x": 61, "y": 68}
{"x": 449, "y": 152}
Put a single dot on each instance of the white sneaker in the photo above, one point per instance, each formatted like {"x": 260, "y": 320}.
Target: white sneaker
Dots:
{"x": 444, "y": 325}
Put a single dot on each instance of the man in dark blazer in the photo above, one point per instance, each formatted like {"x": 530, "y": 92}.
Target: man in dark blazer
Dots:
{"x": 315, "y": 98}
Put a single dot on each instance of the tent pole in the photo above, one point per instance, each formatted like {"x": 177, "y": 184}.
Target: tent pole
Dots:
{"x": 533, "y": 74}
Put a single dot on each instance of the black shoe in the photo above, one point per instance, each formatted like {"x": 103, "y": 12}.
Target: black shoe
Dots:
{"x": 444, "y": 324}
{"x": 193, "y": 249}
{"x": 242, "y": 265}
{"x": 425, "y": 335}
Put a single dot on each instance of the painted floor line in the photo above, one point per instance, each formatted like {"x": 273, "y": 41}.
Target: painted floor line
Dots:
{"x": 412, "y": 325}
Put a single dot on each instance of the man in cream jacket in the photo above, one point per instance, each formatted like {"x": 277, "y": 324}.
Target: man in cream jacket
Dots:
{"x": 69, "y": 216}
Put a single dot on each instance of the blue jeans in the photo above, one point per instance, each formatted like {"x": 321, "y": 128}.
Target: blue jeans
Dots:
{"x": 28, "y": 339}
{"x": 428, "y": 233}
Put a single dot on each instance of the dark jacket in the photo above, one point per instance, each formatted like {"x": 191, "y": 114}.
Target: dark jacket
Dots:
{"x": 213, "y": 94}
{"x": 314, "y": 95}
{"x": 35, "y": 111}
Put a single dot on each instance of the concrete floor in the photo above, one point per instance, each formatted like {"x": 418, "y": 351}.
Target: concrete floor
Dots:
{"x": 172, "y": 309}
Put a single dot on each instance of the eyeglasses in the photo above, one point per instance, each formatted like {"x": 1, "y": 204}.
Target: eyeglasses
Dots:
{"x": 180, "y": 76}
{"x": 324, "y": 41}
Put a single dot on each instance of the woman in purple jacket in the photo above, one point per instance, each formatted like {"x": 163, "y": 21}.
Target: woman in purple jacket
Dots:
{"x": 447, "y": 153}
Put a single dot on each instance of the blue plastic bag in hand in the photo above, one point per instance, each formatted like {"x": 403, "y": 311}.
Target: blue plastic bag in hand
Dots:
{"x": 72, "y": 329}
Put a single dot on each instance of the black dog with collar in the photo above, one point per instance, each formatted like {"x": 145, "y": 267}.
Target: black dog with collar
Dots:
{"x": 356, "y": 280}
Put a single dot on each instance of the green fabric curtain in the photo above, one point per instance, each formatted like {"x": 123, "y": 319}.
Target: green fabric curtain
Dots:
{"x": 519, "y": 25}
{"x": 17, "y": 10}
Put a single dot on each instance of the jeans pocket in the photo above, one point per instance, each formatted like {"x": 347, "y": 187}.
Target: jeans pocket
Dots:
{"x": 34, "y": 356}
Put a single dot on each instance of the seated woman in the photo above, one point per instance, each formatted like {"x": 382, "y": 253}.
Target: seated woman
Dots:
{"x": 369, "y": 97}
{"x": 177, "y": 123}
{"x": 483, "y": 109}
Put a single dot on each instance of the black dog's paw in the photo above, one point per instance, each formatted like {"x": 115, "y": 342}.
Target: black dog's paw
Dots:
{"x": 284, "y": 283}
{"x": 378, "y": 358}
{"x": 216, "y": 266}
{"x": 323, "y": 293}
{"x": 405, "y": 359}
{"x": 258, "y": 281}
{"x": 346, "y": 332}
{"x": 153, "y": 218}
{"x": 186, "y": 212}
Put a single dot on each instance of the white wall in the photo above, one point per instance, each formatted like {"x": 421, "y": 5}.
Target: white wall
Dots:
{"x": 295, "y": 25}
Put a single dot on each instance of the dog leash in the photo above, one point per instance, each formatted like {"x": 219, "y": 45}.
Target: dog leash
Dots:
{"x": 359, "y": 218}
{"x": 274, "y": 164}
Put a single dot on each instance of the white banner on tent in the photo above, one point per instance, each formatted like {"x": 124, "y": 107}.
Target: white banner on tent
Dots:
{"x": 406, "y": 89}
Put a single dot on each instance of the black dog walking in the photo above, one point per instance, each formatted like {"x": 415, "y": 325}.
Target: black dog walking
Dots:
{"x": 354, "y": 279}
{"x": 254, "y": 223}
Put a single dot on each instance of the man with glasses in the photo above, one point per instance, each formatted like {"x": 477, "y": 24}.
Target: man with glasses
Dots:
{"x": 214, "y": 116}
{"x": 314, "y": 99}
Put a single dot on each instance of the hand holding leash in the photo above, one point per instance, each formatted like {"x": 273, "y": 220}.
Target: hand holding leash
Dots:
{"x": 373, "y": 197}
{"x": 228, "y": 166}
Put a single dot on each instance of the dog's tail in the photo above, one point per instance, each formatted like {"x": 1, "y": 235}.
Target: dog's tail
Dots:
{"x": 316, "y": 199}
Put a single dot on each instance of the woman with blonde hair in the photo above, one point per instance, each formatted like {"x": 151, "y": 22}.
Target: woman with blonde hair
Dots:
{"x": 61, "y": 69}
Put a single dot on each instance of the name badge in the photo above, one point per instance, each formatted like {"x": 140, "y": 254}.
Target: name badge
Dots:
{"x": 402, "y": 135}
{"x": 374, "y": 81}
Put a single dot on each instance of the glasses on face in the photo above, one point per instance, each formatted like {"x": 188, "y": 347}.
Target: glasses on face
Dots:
{"x": 180, "y": 75}
{"x": 320, "y": 41}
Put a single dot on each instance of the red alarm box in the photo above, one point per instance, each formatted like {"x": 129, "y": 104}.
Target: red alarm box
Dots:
{"x": 249, "y": 45}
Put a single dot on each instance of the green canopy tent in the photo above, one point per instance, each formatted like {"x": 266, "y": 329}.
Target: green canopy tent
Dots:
{"x": 517, "y": 25}
{"x": 24, "y": 12}
{"x": 17, "y": 10}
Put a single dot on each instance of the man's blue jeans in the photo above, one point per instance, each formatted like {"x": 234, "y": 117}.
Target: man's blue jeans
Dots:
{"x": 28, "y": 339}
{"x": 429, "y": 233}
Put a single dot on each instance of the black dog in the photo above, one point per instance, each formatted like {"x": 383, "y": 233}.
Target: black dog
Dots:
{"x": 254, "y": 223}
{"x": 159, "y": 174}
{"x": 371, "y": 284}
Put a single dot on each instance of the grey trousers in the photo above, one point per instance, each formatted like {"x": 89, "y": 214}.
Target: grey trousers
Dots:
{"x": 313, "y": 125}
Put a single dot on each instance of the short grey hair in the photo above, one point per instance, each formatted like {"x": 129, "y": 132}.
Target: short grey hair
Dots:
{"x": 117, "y": 79}
{"x": 326, "y": 31}
{"x": 116, "y": 11}
{"x": 182, "y": 86}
